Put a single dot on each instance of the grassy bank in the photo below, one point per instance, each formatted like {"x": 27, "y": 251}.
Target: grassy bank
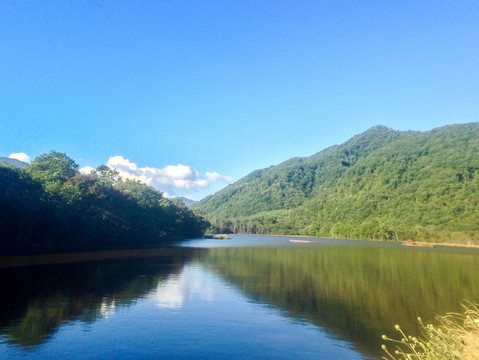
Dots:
{"x": 455, "y": 336}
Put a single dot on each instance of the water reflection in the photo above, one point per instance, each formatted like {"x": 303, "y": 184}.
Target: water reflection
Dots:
{"x": 36, "y": 300}
{"x": 254, "y": 298}
{"x": 192, "y": 280}
{"x": 355, "y": 293}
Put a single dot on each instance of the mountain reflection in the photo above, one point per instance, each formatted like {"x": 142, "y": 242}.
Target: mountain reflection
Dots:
{"x": 354, "y": 293}
{"x": 36, "y": 300}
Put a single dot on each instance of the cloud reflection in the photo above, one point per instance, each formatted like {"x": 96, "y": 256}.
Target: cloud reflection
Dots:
{"x": 193, "y": 281}
{"x": 107, "y": 307}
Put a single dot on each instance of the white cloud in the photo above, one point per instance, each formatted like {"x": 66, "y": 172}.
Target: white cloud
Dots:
{"x": 86, "y": 170}
{"x": 214, "y": 176}
{"x": 169, "y": 179}
{"x": 20, "y": 156}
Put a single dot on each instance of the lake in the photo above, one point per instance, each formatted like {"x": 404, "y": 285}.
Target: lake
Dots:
{"x": 248, "y": 297}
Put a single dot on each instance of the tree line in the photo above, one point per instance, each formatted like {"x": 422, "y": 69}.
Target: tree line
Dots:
{"x": 49, "y": 206}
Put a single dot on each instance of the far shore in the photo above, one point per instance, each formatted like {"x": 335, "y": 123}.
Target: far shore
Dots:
{"x": 414, "y": 243}
{"x": 168, "y": 250}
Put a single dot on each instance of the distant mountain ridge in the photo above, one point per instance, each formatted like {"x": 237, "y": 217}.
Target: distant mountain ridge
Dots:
{"x": 186, "y": 201}
{"x": 381, "y": 184}
{"x": 13, "y": 162}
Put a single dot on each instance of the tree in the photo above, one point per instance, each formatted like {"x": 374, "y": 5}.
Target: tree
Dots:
{"x": 107, "y": 176}
{"x": 145, "y": 195}
{"x": 52, "y": 170}
{"x": 50, "y": 206}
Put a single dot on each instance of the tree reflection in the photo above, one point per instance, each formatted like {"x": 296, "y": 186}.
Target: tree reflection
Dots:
{"x": 36, "y": 300}
{"x": 355, "y": 293}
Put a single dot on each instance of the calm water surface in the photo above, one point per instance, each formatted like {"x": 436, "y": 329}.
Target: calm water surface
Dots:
{"x": 248, "y": 297}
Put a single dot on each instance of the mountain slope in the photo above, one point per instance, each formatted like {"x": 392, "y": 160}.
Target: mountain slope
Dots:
{"x": 12, "y": 162}
{"x": 381, "y": 184}
{"x": 294, "y": 181}
{"x": 187, "y": 202}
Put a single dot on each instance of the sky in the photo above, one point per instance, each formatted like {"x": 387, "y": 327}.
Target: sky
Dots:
{"x": 189, "y": 96}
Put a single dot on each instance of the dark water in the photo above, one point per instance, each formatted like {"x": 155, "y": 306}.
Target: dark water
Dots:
{"x": 249, "y": 297}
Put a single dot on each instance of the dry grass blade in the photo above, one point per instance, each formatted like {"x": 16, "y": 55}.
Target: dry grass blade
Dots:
{"x": 455, "y": 336}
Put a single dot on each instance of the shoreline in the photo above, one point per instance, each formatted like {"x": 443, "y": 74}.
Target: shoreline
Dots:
{"x": 415, "y": 243}
{"x": 98, "y": 255}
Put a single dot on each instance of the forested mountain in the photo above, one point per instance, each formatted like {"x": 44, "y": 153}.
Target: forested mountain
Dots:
{"x": 186, "y": 201}
{"x": 12, "y": 162}
{"x": 49, "y": 206}
{"x": 381, "y": 184}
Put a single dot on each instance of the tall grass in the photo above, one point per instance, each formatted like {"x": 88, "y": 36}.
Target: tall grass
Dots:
{"x": 455, "y": 336}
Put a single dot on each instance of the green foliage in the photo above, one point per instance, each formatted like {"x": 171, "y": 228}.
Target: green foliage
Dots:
{"x": 52, "y": 170}
{"x": 49, "y": 206}
{"x": 106, "y": 176}
{"x": 382, "y": 184}
{"x": 144, "y": 195}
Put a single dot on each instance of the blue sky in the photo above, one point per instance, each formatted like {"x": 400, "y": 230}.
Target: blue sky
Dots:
{"x": 227, "y": 87}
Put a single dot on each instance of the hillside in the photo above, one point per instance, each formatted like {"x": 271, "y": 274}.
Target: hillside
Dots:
{"x": 381, "y": 184}
{"x": 186, "y": 201}
{"x": 12, "y": 162}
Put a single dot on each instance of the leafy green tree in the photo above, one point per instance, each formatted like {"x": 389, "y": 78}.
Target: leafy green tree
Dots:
{"x": 52, "y": 170}
{"x": 107, "y": 176}
{"x": 145, "y": 195}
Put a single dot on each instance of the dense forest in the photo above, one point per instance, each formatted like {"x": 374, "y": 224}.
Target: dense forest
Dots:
{"x": 382, "y": 184}
{"x": 49, "y": 206}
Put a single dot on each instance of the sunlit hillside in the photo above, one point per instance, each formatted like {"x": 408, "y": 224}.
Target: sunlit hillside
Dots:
{"x": 381, "y": 184}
